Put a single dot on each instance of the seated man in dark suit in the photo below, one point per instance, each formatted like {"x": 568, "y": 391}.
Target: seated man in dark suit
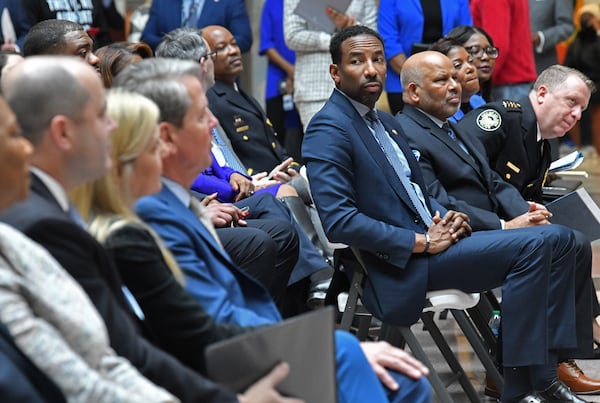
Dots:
{"x": 370, "y": 193}
{"x": 457, "y": 174}
{"x": 70, "y": 132}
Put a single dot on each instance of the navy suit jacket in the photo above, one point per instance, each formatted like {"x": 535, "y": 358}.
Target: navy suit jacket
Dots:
{"x": 165, "y": 16}
{"x": 342, "y": 157}
{"x": 247, "y": 126}
{"x": 41, "y": 218}
{"x": 227, "y": 293}
{"x": 460, "y": 181}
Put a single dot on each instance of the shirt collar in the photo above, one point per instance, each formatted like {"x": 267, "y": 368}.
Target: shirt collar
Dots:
{"x": 179, "y": 191}
{"x": 435, "y": 120}
{"x": 362, "y": 109}
{"x": 55, "y": 188}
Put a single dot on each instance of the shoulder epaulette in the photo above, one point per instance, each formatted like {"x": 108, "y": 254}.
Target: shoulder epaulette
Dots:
{"x": 511, "y": 105}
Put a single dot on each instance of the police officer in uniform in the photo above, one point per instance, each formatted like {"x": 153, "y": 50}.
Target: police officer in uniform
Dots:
{"x": 516, "y": 133}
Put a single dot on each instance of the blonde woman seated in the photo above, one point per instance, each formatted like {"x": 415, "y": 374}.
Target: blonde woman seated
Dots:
{"x": 47, "y": 313}
{"x": 181, "y": 326}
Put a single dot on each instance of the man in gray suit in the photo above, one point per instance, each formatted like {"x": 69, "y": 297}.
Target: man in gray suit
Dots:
{"x": 551, "y": 23}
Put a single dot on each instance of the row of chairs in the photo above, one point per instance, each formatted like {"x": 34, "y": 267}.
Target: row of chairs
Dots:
{"x": 470, "y": 311}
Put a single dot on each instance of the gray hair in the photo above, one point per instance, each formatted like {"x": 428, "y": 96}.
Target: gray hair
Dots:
{"x": 160, "y": 79}
{"x": 42, "y": 88}
{"x": 555, "y": 76}
{"x": 183, "y": 43}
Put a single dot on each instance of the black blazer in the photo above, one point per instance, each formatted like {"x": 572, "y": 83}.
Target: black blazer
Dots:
{"x": 41, "y": 218}
{"x": 460, "y": 181}
{"x": 511, "y": 144}
{"x": 247, "y": 126}
{"x": 180, "y": 325}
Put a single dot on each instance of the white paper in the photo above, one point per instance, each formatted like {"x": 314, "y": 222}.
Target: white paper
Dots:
{"x": 8, "y": 30}
{"x": 568, "y": 162}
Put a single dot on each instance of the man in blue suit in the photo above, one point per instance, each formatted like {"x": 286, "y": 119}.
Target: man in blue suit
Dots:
{"x": 166, "y": 15}
{"x": 370, "y": 194}
{"x": 222, "y": 288}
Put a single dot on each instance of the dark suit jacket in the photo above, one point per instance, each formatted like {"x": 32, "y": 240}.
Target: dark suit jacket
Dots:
{"x": 227, "y": 293}
{"x": 20, "y": 380}
{"x": 460, "y": 181}
{"x": 342, "y": 155}
{"x": 247, "y": 126}
{"x": 41, "y": 218}
{"x": 181, "y": 326}
{"x": 511, "y": 144}
{"x": 165, "y": 16}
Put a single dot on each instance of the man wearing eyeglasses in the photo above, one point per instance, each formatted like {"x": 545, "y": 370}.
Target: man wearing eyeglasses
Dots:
{"x": 508, "y": 24}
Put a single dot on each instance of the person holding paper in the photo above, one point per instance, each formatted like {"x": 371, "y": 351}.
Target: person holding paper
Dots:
{"x": 312, "y": 84}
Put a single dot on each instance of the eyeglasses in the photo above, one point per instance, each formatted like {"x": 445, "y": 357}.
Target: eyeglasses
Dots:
{"x": 212, "y": 55}
{"x": 477, "y": 51}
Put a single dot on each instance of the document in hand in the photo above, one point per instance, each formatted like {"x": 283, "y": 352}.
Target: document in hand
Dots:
{"x": 305, "y": 342}
{"x": 313, "y": 11}
{"x": 578, "y": 211}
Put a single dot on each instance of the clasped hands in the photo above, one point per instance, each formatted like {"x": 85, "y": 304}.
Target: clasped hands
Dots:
{"x": 443, "y": 232}
{"x": 224, "y": 214}
{"x": 536, "y": 215}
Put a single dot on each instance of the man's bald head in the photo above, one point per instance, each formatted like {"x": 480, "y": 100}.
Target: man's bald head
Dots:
{"x": 428, "y": 83}
{"x": 228, "y": 64}
{"x": 41, "y": 87}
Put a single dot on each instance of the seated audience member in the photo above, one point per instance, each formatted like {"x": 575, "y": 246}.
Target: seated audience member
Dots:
{"x": 47, "y": 313}
{"x": 466, "y": 75}
{"x": 481, "y": 47}
{"x": 360, "y": 164}
{"x": 239, "y": 114}
{"x": 515, "y": 133}
{"x": 116, "y": 56}
{"x": 233, "y": 185}
{"x": 224, "y": 290}
{"x": 456, "y": 172}
{"x": 60, "y": 37}
{"x": 165, "y": 17}
{"x": 70, "y": 133}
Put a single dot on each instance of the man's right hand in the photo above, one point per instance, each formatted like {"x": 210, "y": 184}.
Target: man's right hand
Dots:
{"x": 263, "y": 391}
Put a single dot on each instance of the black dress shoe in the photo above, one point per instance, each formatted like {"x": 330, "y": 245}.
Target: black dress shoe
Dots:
{"x": 532, "y": 398}
{"x": 559, "y": 393}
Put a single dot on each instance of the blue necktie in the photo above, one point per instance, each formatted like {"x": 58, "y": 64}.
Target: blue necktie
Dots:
{"x": 446, "y": 126}
{"x": 394, "y": 159}
{"x": 231, "y": 160}
{"x": 75, "y": 216}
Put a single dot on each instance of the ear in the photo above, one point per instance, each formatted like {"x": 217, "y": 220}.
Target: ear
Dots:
{"x": 168, "y": 135}
{"x": 62, "y": 132}
{"x": 541, "y": 93}
{"x": 412, "y": 92}
{"x": 334, "y": 72}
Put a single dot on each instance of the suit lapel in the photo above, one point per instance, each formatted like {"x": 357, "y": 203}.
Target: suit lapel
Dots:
{"x": 176, "y": 206}
{"x": 373, "y": 149}
{"x": 236, "y": 98}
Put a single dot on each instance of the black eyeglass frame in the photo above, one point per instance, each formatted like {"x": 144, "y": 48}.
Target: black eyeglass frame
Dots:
{"x": 477, "y": 51}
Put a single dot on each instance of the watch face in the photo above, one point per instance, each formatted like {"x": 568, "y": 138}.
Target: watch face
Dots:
{"x": 489, "y": 120}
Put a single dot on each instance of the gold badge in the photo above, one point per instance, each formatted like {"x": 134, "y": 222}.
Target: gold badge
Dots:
{"x": 489, "y": 120}
{"x": 513, "y": 167}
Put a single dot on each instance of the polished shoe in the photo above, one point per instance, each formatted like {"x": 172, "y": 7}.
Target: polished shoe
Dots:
{"x": 532, "y": 398}
{"x": 317, "y": 294}
{"x": 572, "y": 376}
{"x": 559, "y": 393}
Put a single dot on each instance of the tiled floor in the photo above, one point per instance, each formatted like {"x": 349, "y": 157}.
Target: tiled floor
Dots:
{"x": 458, "y": 342}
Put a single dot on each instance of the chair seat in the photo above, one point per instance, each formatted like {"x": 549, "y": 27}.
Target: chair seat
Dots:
{"x": 450, "y": 299}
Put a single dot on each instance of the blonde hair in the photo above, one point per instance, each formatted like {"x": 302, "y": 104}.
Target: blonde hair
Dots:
{"x": 105, "y": 203}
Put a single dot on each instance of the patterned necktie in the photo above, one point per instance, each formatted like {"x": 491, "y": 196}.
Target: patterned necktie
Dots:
{"x": 449, "y": 131}
{"x": 200, "y": 212}
{"x": 231, "y": 159}
{"x": 390, "y": 153}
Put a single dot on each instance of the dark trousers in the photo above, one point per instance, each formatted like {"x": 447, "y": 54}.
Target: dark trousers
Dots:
{"x": 536, "y": 269}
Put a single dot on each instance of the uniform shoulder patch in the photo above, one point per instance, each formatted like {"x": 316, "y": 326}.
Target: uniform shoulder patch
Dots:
{"x": 511, "y": 105}
{"x": 489, "y": 120}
